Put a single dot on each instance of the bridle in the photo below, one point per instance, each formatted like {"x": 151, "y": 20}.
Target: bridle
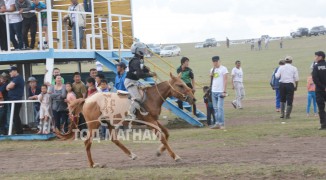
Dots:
{"x": 185, "y": 97}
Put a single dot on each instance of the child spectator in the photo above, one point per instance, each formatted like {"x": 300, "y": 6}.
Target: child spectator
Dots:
{"x": 71, "y": 96}
{"x": 98, "y": 79}
{"x": 39, "y": 6}
{"x": 45, "y": 110}
{"x": 104, "y": 86}
{"x": 209, "y": 105}
{"x": 91, "y": 86}
{"x": 311, "y": 95}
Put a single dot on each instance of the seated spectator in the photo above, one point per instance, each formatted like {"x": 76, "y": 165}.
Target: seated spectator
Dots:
{"x": 15, "y": 93}
{"x": 104, "y": 86}
{"x": 15, "y": 24}
{"x": 29, "y": 22}
{"x": 39, "y": 6}
{"x": 45, "y": 110}
{"x": 91, "y": 87}
{"x": 80, "y": 25}
{"x": 33, "y": 92}
{"x": 59, "y": 106}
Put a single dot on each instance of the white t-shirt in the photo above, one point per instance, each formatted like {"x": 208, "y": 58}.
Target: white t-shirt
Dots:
{"x": 13, "y": 18}
{"x": 218, "y": 80}
{"x": 237, "y": 74}
{"x": 99, "y": 66}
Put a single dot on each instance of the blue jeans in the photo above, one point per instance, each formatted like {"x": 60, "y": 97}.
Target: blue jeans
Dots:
{"x": 218, "y": 105}
{"x": 16, "y": 29}
{"x": 277, "y": 98}
{"x": 81, "y": 36}
{"x": 311, "y": 97}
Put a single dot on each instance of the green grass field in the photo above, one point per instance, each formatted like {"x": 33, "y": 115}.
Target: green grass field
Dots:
{"x": 256, "y": 125}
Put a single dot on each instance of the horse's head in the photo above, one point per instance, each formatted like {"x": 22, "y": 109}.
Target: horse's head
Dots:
{"x": 180, "y": 90}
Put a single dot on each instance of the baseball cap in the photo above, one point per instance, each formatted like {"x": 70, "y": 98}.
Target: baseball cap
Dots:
{"x": 13, "y": 68}
{"x": 122, "y": 65}
{"x": 31, "y": 79}
{"x": 288, "y": 58}
{"x": 320, "y": 53}
{"x": 215, "y": 58}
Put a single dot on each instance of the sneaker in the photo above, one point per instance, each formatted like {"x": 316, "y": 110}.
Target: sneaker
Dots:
{"x": 215, "y": 126}
{"x": 234, "y": 105}
{"x": 278, "y": 110}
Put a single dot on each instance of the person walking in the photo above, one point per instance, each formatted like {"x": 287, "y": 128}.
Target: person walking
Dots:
{"x": 188, "y": 78}
{"x": 237, "y": 85}
{"x": 289, "y": 78}
{"x": 219, "y": 76}
{"x": 311, "y": 87}
{"x": 275, "y": 84}
{"x": 319, "y": 78}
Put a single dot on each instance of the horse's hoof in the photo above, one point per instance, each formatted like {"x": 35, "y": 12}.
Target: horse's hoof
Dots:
{"x": 96, "y": 165}
{"x": 133, "y": 156}
{"x": 158, "y": 153}
{"x": 177, "y": 158}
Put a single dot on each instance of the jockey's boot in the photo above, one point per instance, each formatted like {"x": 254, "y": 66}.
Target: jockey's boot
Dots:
{"x": 130, "y": 117}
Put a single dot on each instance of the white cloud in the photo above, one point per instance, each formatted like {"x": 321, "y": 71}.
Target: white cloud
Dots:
{"x": 168, "y": 21}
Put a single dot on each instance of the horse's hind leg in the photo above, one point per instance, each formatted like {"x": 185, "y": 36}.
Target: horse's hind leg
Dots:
{"x": 163, "y": 140}
{"x": 88, "y": 143}
{"x": 162, "y": 148}
{"x": 115, "y": 140}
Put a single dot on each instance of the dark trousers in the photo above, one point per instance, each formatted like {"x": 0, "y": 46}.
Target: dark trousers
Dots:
{"x": 321, "y": 98}
{"x": 210, "y": 113}
{"x": 16, "y": 119}
{"x": 16, "y": 30}
{"x": 3, "y": 117}
{"x": 3, "y": 34}
{"x": 287, "y": 93}
{"x": 61, "y": 117}
{"x": 29, "y": 25}
{"x": 180, "y": 103}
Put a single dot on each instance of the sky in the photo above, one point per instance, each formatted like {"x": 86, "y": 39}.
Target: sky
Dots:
{"x": 182, "y": 21}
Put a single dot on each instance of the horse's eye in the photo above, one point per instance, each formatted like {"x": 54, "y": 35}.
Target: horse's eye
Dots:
{"x": 180, "y": 86}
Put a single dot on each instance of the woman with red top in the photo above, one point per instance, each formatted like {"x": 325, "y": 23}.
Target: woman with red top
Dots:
{"x": 91, "y": 86}
{"x": 311, "y": 95}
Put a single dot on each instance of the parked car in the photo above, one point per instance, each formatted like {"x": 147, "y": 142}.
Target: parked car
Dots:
{"x": 300, "y": 32}
{"x": 154, "y": 48}
{"x": 210, "y": 43}
{"x": 171, "y": 50}
{"x": 317, "y": 30}
{"x": 199, "y": 45}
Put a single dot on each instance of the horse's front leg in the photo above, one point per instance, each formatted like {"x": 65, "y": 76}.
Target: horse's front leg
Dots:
{"x": 162, "y": 148}
{"x": 88, "y": 143}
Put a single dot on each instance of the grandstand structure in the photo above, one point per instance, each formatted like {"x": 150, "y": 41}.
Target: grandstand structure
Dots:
{"x": 107, "y": 39}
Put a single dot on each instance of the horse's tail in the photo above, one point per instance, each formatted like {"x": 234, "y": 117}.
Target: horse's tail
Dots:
{"x": 75, "y": 108}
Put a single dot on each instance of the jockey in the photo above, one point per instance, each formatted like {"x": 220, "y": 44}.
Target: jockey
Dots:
{"x": 137, "y": 70}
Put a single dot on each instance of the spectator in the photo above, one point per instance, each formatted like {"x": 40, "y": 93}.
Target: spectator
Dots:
{"x": 289, "y": 78}
{"x": 56, "y": 72}
{"x": 15, "y": 24}
{"x": 29, "y": 22}
{"x": 98, "y": 80}
{"x": 59, "y": 107}
{"x": 319, "y": 78}
{"x": 92, "y": 73}
{"x": 209, "y": 105}
{"x": 45, "y": 110}
{"x": 259, "y": 44}
{"x": 3, "y": 107}
{"x": 281, "y": 42}
{"x": 78, "y": 86}
{"x": 120, "y": 77}
{"x": 99, "y": 67}
{"x": 75, "y": 6}
{"x": 33, "y": 92}
{"x": 71, "y": 96}
{"x": 219, "y": 76}
{"x": 237, "y": 85}
{"x": 188, "y": 78}
{"x": 15, "y": 93}
{"x": 104, "y": 86}
{"x": 311, "y": 87}
{"x": 3, "y": 29}
{"x": 275, "y": 84}
{"x": 252, "y": 44}
{"x": 39, "y": 6}
{"x": 227, "y": 42}
{"x": 91, "y": 86}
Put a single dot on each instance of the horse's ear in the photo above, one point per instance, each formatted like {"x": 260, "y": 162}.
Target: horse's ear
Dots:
{"x": 171, "y": 75}
{"x": 179, "y": 75}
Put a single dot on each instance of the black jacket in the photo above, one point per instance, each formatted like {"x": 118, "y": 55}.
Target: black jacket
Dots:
{"x": 319, "y": 75}
{"x": 135, "y": 71}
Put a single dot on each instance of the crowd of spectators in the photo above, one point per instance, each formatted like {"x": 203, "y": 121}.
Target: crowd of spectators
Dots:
{"x": 53, "y": 97}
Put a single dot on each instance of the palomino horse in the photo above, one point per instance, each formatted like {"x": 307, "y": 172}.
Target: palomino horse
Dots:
{"x": 100, "y": 106}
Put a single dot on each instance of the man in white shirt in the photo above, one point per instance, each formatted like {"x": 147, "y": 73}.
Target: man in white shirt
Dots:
{"x": 237, "y": 85}
{"x": 219, "y": 76}
{"x": 289, "y": 78}
{"x": 15, "y": 23}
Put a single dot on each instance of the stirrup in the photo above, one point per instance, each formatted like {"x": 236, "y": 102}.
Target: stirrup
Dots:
{"x": 143, "y": 112}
